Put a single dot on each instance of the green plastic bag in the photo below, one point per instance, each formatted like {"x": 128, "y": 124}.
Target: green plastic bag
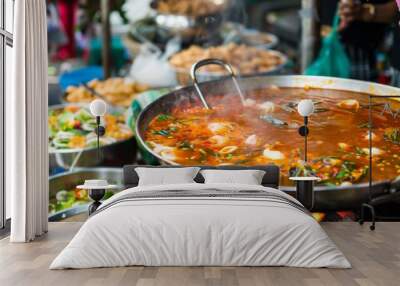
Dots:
{"x": 332, "y": 59}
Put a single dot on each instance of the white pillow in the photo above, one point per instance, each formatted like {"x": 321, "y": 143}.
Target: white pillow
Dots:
{"x": 166, "y": 176}
{"x": 248, "y": 177}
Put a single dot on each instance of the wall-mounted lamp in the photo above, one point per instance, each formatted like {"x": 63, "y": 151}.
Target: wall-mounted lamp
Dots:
{"x": 98, "y": 108}
{"x": 305, "y": 108}
{"x": 305, "y": 185}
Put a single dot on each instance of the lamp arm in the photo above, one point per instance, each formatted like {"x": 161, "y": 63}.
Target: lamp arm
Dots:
{"x": 100, "y": 131}
{"x": 98, "y": 137}
{"x": 305, "y": 138}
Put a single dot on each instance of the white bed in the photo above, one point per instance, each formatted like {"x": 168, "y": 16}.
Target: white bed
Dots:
{"x": 224, "y": 225}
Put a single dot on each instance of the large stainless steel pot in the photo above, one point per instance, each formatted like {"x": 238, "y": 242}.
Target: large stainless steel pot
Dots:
{"x": 69, "y": 180}
{"x": 116, "y": 154}
{"x": 327, "y": 198}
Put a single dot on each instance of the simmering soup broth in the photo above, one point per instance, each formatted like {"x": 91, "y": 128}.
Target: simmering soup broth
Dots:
{"x": 265, "y": 131}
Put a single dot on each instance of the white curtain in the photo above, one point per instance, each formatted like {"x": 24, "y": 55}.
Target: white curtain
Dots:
{"x": 26, "y": 121}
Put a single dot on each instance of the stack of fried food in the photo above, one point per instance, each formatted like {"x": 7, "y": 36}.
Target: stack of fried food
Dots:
{"x": 116, "y": 91}
{"x": 244, "y": 59}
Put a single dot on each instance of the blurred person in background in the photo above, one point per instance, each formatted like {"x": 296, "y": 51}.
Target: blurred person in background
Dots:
{"x": 67, "y": 12}
{"x": 55, "y": 32}
{"x": 363, "y": 27}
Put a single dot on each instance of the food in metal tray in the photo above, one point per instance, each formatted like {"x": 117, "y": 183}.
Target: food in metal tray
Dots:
{"x": 73, "y": 127}
{"x": 116, "y": 91}
{"x": 244, "y": 59}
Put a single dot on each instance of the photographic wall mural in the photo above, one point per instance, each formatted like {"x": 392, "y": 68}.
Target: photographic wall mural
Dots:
{"x": 156, "y": 116}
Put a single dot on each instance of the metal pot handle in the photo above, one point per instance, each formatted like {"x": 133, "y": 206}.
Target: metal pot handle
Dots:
{"x": 219, "y": 62}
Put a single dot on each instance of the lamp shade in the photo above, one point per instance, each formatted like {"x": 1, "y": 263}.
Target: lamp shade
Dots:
{"x": 305, "y": 107}
{"x": 98, "y": 107}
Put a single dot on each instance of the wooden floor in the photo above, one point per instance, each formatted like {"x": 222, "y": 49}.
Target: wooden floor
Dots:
{"x": 375, "y": 257}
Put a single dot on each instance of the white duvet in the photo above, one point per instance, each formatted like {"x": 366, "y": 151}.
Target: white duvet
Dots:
{"x": 200, "y": 231}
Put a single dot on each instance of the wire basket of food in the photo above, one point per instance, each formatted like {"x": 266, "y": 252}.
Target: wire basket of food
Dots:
{"x": 115, "y": 91}
{"x": 245, "y": 60}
